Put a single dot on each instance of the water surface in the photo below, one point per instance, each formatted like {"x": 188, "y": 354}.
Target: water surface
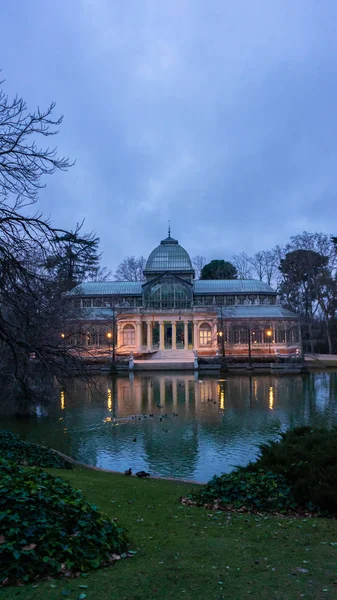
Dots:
{"x": 219, "y": 422}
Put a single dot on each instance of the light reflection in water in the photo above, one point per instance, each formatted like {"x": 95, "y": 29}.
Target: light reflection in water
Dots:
{"x": 211, "y": 425}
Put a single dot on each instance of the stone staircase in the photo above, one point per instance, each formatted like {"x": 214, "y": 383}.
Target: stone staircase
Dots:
{"x": 167, "y": 360}
{"x": 184, "y": 355}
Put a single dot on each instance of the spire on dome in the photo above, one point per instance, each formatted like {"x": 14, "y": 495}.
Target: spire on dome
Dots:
{"x": 169, "y": 229}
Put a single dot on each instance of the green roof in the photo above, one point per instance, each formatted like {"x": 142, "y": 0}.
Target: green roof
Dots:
{"x": 259, "y": 311}
{"x": 231, "y": 286}
{"x": 108, "y": 288}
{"x": 207, "y": 286}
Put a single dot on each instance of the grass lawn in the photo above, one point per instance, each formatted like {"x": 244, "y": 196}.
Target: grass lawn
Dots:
{"x": 190, "y": 553}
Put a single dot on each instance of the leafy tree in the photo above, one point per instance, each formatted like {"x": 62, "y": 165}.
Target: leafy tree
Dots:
{"x": 131, "y": 269}
{"x": 76, "y": 258}
{"x": 302, "y": 272}
{"x": 314, "y": 300}
{"x": 219, "y": 269}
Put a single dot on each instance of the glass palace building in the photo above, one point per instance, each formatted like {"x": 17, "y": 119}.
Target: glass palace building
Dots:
{"x": 171, "y": 311}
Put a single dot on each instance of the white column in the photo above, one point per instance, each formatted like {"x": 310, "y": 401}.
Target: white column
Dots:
{"x": 174, "y": 335}
{"x": 138, "y": 334}
{"x": 161, "y": 336}
{"x": 185, "y": 335}
{"x": 195, "y": 336}
{"x": 149, "y": 335}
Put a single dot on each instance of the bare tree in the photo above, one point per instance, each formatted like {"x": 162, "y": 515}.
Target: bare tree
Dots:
{"x": 198, "y": 263}
{"x": 102, "y": 274}
{"x": 32, "y": 311}
{"x": 22, "y": 161}
{"x": 242, "y": 262}
{"x": 264, "y": 265}
{"x": 131, "y": 269}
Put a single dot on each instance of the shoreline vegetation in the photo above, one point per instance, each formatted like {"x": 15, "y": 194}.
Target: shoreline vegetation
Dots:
{"x": 180, "y": 549}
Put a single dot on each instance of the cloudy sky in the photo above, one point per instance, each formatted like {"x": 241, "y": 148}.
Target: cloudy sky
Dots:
{"x": 220, "y": 116}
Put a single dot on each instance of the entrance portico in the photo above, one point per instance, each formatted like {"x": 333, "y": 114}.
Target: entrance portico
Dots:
{"x": 187, "y": 332}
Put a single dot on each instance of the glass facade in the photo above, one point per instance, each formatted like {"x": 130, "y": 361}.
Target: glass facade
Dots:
{"x": 168, "y": 293}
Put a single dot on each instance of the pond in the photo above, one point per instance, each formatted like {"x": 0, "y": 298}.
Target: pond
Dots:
{"x": 212, "y": 424}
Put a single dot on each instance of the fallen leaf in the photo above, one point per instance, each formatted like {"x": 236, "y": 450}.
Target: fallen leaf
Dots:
{"x": 29, "y": 547}
{"x": 82, "y": 596}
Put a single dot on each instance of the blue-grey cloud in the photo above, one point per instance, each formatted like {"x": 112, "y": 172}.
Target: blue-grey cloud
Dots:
{"x": 219, "y": 116}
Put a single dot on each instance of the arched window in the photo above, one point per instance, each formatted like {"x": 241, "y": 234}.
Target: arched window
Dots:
{"x": 205, "y": 335}
{"x": 128, "y": 335}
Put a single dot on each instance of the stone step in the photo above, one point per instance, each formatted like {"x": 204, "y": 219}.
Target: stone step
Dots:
{"x": 182, "y": 355}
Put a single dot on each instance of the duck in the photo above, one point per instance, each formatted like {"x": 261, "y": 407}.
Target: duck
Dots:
{"x": 128, "y": 472}
{"x": 142, "y": 474}
{"x": 134, "y": 439}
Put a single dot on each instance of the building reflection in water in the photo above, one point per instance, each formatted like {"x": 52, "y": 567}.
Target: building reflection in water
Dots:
{"x": 219, "y": 424}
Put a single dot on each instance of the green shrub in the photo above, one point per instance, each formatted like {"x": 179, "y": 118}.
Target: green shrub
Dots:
{"x": 307, "y": 458}
{"x": 26, "y": 453}
{"x": 48, "y": 528}
{"x": 258, "y": 491}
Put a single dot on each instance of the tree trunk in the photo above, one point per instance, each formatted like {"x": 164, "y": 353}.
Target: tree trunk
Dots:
{"x": 328, "y": 336}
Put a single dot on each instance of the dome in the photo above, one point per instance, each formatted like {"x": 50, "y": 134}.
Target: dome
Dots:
{"x": 168, "y": 256}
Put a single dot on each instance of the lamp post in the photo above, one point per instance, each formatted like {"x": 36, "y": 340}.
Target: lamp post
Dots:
{"x": 269, "y": 334}
{"x": 109, "y": 336}
{"x": 222, "y": 338}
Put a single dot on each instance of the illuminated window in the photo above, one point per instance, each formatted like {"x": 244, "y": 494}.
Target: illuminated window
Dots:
{"x": 205, "y": 334}
{"x": 128, "y": 335}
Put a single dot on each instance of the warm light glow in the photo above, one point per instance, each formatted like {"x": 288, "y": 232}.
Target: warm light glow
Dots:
{"x": 222, "y": 399}
{"x": 109, "y": 400}
{"x": 62, "y": 400}
{"x": 271, "y": 397}
{"x": 107, "y": 420}
{"x": 109, "y": 335}
{"x": 62, "y": 335}
{"x": 220, "y": 333}
{"x": 255, "y": 388}
{"x": 269, "y": 332}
